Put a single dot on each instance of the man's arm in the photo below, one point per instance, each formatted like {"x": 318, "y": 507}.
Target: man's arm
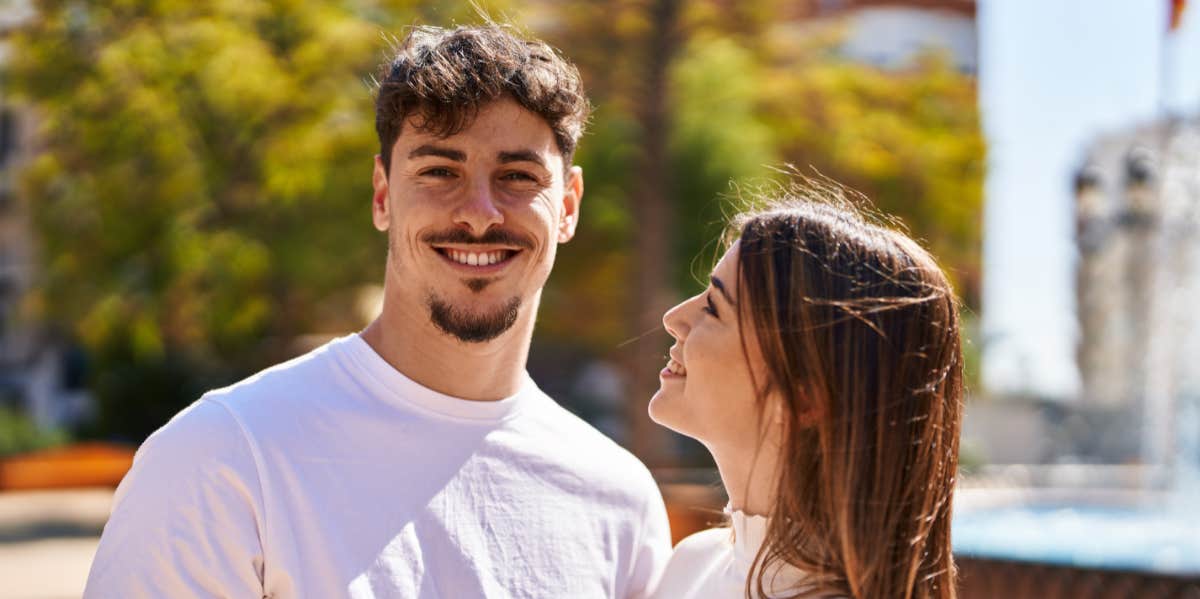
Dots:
{"x": 186, "y": 520}
{"x": 654, "y": 546}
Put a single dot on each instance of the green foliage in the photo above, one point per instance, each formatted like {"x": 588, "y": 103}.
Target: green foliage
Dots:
{"x": 910, "y": 140}
{"x": 718, "y": 136}
{"x": 584, "y": 301}
{"x": 202, "y": 196}
{"x": 202, "y": 193}
{"x": 746, "y": 94}
{"x": 19, "y": 434}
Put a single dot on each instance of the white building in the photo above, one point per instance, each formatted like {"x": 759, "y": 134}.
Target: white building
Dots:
{"x": 890, "y": 33}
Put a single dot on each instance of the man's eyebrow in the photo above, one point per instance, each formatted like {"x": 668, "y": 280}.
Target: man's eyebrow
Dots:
{"x": 432, "y": 150}
{"x": 721, "y": 287}
{"x": 522, "y": 156}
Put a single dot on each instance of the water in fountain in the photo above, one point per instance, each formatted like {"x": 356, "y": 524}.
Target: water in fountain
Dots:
{"x": 1181, "y": 192}
{"x": 1138, "y": 202}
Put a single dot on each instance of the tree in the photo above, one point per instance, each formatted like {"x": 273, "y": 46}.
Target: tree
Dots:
{"x": 203, "y": 187}
{"x": 909, "y": 139}
{"x": 742, "y": 93}
{"x": 201, "y": 195}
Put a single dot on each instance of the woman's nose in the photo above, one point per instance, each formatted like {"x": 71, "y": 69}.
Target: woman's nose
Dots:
{"x": 675, "y": 322}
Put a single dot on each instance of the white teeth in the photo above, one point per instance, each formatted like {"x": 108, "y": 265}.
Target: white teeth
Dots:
{"x": 676, "y": 367}
{"x": 477, "y": 259}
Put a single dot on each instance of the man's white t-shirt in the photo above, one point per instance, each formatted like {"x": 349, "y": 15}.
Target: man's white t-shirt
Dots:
{"x": 334, "y": 475}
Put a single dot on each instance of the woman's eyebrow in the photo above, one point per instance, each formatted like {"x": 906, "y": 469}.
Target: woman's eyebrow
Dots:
{"x": 716, "y": 282}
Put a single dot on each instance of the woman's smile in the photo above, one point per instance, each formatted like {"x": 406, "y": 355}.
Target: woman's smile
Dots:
{"x": 674, "y": 369}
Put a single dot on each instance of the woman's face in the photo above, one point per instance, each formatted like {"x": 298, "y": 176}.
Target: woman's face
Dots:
{"x": 706, "y": 391}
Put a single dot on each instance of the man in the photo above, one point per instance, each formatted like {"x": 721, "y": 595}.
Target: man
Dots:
{"x": 416, "y": 459}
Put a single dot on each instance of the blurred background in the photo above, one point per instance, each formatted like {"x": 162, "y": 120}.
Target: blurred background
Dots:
{"x": 184, "y": 200}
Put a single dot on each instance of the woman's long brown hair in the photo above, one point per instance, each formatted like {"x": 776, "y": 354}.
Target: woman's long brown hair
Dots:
{"x": 858, "y": 328}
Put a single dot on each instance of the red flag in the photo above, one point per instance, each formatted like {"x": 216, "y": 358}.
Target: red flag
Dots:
{"x": 1177, "y": 7}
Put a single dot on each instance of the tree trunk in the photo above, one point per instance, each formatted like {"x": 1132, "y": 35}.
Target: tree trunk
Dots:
{"x": 651, "y": 209}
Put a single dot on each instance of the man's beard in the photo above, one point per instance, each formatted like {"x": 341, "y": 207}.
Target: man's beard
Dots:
{"x": 459, "y": 323}
{"x": 472, "y": 328}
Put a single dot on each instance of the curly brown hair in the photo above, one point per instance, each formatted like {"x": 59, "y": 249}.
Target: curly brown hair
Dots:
{"x": 443, "y": 77}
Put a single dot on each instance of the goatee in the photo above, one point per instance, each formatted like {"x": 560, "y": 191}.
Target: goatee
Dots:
{"x": 472, "y": 328}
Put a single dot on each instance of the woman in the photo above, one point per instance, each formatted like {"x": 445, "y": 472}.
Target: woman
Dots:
{"x": 823, "y": 371}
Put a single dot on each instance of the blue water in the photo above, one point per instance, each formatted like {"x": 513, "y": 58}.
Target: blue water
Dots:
{"x": 1141, "y": 539}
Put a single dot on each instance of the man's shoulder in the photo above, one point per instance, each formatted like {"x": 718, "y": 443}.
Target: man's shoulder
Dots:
{"x": 583, "y": 436}
{"x": 252, "y": 408}
{"x": 581, "y": 442}
{"x": 705, "y": 543}
{"x": 291, "y": 378}
{"x": 201, "y": 440}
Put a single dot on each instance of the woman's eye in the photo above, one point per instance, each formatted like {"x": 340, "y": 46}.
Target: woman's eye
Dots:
{"x": 709, "y": 307}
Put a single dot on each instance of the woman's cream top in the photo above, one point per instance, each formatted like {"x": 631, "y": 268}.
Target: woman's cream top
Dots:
{"x": 714, "y": 564}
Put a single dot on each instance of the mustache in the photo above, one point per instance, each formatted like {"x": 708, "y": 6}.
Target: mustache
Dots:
{"x": 489, "y": 237}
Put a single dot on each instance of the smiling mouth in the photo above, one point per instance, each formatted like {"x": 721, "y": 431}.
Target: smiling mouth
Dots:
{"x": 675, "y": 368}
{"x": 477, "y": 258}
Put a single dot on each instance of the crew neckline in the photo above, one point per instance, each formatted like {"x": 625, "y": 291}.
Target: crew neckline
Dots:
{"x": 749, "y": 534}
{"x": 396, "y": 386}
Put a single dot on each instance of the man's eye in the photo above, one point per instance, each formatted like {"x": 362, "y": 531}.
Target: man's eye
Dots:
{"x": 519, "y": 176}
{"x": 437, "y": 172}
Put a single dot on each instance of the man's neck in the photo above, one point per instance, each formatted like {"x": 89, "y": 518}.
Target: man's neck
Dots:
{"x": 487, "y": 371}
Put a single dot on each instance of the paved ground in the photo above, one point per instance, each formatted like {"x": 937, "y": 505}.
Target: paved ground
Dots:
{"x": 47, "y": 540}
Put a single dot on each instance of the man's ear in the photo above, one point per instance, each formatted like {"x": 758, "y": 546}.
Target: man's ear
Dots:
{"x": 379, "y": 200}
{"x": 572, "y": 196}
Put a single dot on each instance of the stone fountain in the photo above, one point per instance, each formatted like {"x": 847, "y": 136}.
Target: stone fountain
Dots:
{"x": 1126, "y": 513}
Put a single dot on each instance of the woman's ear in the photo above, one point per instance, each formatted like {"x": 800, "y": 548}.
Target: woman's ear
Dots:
{"x": 773, "y": 420}
{"x": 778, "y": 412}
{"x": 775, "y": 410}
{"x": 807, "y": 413}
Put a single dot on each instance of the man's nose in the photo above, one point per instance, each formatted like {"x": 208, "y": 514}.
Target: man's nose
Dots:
{"x": 478, "y": 211}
